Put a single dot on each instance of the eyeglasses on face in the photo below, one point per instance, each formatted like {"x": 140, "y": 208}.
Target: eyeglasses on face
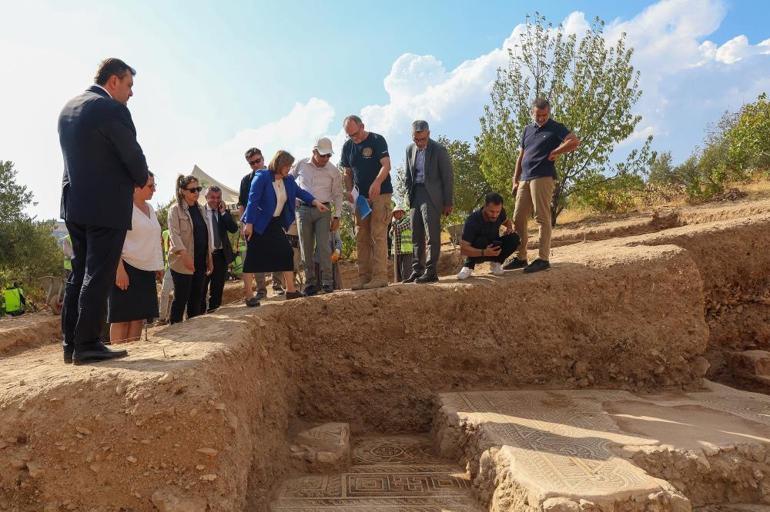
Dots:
{"x": 194, "y": 190}
{"x": 323, "y": 156}
{"x": 256, "y": 161}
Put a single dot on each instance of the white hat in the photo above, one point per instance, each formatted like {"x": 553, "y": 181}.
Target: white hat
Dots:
{"x": 324, "y": 146}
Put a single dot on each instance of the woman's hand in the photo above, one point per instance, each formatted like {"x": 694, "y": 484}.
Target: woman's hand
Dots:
{"x": 248, "y": 230}
{"x": 121, "y": 277}
{"x": 187, "y": 261}
{"x": 321, "y": 207}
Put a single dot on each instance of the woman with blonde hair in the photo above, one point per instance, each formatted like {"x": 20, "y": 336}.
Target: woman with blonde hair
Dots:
{"x": 134, "y": 297}
{"x": 269, "y": 213}
{"x": 189, "y": 253}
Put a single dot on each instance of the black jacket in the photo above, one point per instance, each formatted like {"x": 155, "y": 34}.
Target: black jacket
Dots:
{"x": 226, "y": 224}
{"x": 102, "y": 161}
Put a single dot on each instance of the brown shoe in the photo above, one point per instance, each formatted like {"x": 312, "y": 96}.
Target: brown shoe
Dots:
{"x": 376, "y": 283}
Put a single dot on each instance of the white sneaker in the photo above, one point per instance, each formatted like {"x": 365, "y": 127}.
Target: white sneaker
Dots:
{"x": 464, "y": 273}
{"x": 497, "y": 268}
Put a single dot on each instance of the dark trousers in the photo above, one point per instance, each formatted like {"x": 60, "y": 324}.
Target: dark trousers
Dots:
{"x": 94, "y": 264}
{"x": 508, "y": 245}
{"x": 402, "y": 267}
{"x": 188, "y": 291}
{"x": 426, "y": 231}
{"x": 215, "y": 283}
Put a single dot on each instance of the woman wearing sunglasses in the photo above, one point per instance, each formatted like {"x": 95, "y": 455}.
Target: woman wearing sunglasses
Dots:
{"x": 189, "y": 254}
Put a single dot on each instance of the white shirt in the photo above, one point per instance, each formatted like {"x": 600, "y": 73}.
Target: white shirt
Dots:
{"x": 324, "y": 183}
{"x": 105, "y": 90}
{"x": 212, "y": 225}
{"x": 142, "y": 248}
{"x": 280, "y": 195}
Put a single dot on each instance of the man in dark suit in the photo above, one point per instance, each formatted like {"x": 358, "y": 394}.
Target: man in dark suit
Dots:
{"x": 102, "y": 164}
{"x": 221, "y": 223}
{"x": 430, "y": 187}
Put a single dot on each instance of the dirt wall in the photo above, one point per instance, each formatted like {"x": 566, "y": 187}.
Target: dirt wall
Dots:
{"x": 733, "y": 259}
{"x": 620, "y": 317}
{"x": 198, "y": 423}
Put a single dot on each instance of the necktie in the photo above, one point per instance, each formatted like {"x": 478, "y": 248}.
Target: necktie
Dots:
{"x": 215, "y": 227}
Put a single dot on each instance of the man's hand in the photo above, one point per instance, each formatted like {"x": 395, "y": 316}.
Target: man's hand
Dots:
{"x": 248, "y": 230}
{"x": 209, "y": 266}
{"x": 222, "y": 207}
{"x": 508, "y": 230}
{"x": 553, "y": 155}
{"x": 492, "y": 250}
{"x": 349, "y": 197}
{"x": 335, "y": 224}
{"x": 374, "y": 190}
{"x": 336, "y": 256}
{"x": 514, "y": 188}
{"x": 447, "y": 210}
{"x": 159, "y": 275}
{"x": 188, "y": 262}
{"x": 121, "y": 278}
{"x": 321, "y": 207}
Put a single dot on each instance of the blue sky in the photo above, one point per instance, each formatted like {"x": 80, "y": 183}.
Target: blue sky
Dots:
{"x": 216, "y": 78}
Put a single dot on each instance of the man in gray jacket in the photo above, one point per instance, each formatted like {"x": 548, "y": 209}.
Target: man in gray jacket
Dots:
{"x": 430, "y": 187}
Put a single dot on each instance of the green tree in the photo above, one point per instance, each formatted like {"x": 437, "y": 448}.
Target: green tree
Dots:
{"x": 470, "y": 185}
{"x": 748, "y": 140}
{"x": 29, "y": 250}
{"x": 592, "y": 88}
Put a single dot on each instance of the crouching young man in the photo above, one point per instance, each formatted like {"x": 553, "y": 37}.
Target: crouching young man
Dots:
{"x": 481, "y": 240}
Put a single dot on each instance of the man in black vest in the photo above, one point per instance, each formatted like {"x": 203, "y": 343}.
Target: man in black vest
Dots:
{"x": 102, "y": 164}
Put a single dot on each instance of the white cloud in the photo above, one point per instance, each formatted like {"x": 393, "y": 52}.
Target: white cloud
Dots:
{"x": 687, "y": 80}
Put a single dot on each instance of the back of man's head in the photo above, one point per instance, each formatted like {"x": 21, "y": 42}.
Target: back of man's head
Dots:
{"x": 110, "y": 67}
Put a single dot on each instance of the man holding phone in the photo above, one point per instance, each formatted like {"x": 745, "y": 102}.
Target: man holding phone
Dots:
{"x": 481, "y": 240}
{"x": 221, "y": 223}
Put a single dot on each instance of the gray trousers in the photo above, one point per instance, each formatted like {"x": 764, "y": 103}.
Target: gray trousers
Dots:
{"x": 313, "y": 229}
{"x": 426, "y": 231}
{"x": 165, "y": 295}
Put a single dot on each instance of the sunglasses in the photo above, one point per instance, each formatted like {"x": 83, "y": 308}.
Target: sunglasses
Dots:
{"x": 256, "y": 161}
{"x": 323, "y": 156}
{"x": 196, "y": 190}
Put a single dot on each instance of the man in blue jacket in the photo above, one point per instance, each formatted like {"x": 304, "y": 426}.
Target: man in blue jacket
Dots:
{"x": 102, "y": 164}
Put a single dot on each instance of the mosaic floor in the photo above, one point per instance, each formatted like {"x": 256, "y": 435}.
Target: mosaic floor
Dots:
{"x": 388, "y": 474}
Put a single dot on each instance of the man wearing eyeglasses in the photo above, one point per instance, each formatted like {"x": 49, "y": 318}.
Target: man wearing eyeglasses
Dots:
{"x": 366, "y": 161}
{"x": 321, "y": 178}
{"x": 430, "y": 187}
{"x": 256, "y": 161}
{"x": 103, "y": 163}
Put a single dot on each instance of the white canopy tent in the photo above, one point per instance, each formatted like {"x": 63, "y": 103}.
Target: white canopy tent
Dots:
{"x": 229, "y": 195}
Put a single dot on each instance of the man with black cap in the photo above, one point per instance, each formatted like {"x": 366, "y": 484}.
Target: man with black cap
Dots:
{"x": 321, "y": 178}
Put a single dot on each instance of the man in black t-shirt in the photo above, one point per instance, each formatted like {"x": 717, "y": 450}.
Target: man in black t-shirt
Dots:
{"x": 366, "y": 163}
{"x": 534, "y": 180}
{"x": 481, "y": 240}
{"x": 256, "y": 161}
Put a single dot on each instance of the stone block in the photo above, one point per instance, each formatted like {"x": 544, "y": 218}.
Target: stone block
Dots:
{"x": 323, "y": 448}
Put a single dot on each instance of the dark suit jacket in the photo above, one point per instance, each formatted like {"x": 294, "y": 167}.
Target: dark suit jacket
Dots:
{"x": 226, "y": 225}
{"x": 102, "y": 161}
{"x": 439, "y": 177}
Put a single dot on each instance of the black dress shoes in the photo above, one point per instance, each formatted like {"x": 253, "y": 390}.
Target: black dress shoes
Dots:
{"x": 95, "y": 353}
{"x": 426, "y": 278}
{"x": 412, "y": 278}
{"x": 68, "y": 357}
